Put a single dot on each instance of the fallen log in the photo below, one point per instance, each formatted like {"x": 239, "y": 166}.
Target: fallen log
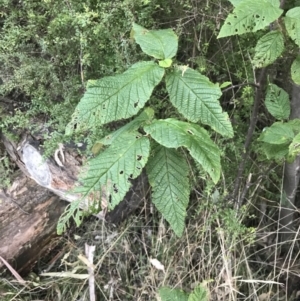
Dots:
{"x": 28, "y": 217}
{"x": 31, "y": 207}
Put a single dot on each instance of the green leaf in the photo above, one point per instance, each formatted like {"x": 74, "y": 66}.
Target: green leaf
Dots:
{"x": 168, "y": 176}
{"x": 117, "y": 97}
{"x": 161, "y": 44}
{"x": 277, "y": 102}
{"x": 71, "y": 211}
{"x": 173, "y": 133}
{"x": 168, "y": 294}
{"x": 165, "y": 63}
{"x": 277, "y": 133}
{"x": 295, "y": 70}
{"x": 145, "y": 117}
{"x": 292, "y": 24}
{"x": 113, "y": 168}
{"x": 225, "y": 84}
{"x": 294, "y": 124}
{"x": 197, "y": 99}
{"x": 275, "y": 151}
{"x": 200, "y": 293}
{"x": 269, "y": 47}
{"x": 294, "y": 148}
{"x": 250, "y": 16}
{"x": 237, "y": 2}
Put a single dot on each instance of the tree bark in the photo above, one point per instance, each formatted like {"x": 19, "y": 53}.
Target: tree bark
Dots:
{"x": 30, "y": 208}
{"x": 290, "y": 181}
{"x": 28, "y": 217}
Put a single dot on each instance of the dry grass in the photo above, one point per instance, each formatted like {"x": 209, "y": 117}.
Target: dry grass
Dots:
{"x": 238, "y": 262}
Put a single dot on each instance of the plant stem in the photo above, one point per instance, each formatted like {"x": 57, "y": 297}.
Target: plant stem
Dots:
{"x": 253, "y": 121}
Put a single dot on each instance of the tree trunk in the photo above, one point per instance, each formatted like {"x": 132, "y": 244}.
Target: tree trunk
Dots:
{"x": 28, "y": 217}
{"x": 290, "y": 181}
{"x": 31, "y": 207}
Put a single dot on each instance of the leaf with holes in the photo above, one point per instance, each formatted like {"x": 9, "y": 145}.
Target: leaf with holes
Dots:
{"x": 269, "y": 47}
{"x": 168, "y": 294}
{"x": 250, "y": 16}
{"x": 277, "y": 133}
{"x": 295, "y": 70}
{"x": 117, "y": 97}
{"x": 292, "y": 24}
{"x": 173, "y": 133}
{"x": 161, "y": 44}
{"x": 168, "y": 176}
{"x": 113, "y": 168}
{"x": 197, "y": 99}
{"x": 277, "y": 102}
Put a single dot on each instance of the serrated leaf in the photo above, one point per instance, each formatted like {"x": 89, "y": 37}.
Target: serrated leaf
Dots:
{"x": 294, "y": 124}
{"x": 237, "y": 2}
{"x": 277, "y": 133}
{"x": 196, "y": 98}
{"x": 295, "y": 70}
{"x": 71, "y": 211}
{"x": 173, "y": 133}
{"x": 277, "y": 102}
{"x": 113, "y": 168}
{"x": 168, "y": 176}
{"x": 294, "y": 148}
{"x": 117, "y": 97}
{"x": 250, "y": 16}
{"x": 145, "y": 117}
{"x": 165, "y": 63}
{"x": 292, "y": 24}
{"x": 161, "y": 44}
{"x": 168, "y": 294}
{"x": 275, "y": 151}
{"x": 200, "y": 293}
{"x": 268, "y": 48}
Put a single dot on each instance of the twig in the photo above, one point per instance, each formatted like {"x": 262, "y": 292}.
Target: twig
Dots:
{"x": 13, "y": 271}
{"x": 240, "y": 85}
{"x": 250, "y": 132}
{"x": 89, "y": 253}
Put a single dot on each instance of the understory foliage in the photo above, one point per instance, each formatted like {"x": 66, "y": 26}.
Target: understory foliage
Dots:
{"x": 49, "y": 49}
{"x": 161, "y": 109}
{"x": 281, "y": 139}
{"x": 160, "y": 149}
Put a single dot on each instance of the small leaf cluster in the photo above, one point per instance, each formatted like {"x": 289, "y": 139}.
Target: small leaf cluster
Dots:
{"x": 147, "y": 142}
{"x": 254, "y": 15}
{"x": 281, "y": 139}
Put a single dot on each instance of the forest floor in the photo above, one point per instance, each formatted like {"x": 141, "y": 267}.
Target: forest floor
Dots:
{"x": 132, "y": 261}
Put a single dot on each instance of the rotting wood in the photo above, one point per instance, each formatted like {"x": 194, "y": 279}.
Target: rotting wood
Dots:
{"x": 24, "y": 237}
{"x": 25, "y": 234}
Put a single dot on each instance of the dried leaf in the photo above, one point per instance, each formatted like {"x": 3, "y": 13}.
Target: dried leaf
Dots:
{"x": 157, "y": 264}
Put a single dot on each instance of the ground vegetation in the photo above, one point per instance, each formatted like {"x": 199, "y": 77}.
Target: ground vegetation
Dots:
{"x": 238, "y": 239}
